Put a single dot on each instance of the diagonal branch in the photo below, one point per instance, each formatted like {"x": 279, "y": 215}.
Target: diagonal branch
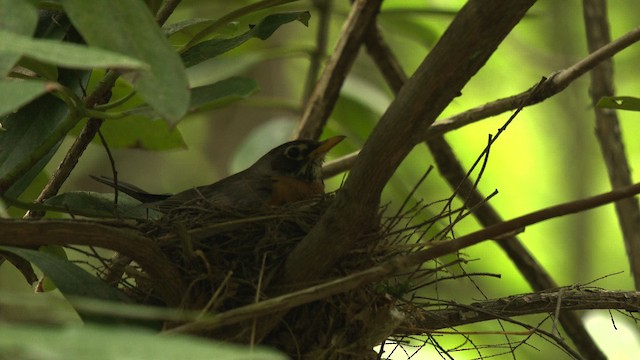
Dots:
{"x": 464, "y": 48}
{"x": 325, "y": 94}
{"x": 472, "y": 37}
{"x": 452, "y": 170}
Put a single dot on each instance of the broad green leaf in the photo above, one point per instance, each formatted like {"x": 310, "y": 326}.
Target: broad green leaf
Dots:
{"x": 213, "y": 96}
{"x": 212, "y": 48}
{"x": 19, "y": 17}
{"x": 222, "y": 93}
{"x": 33, "y": 134}
{"x": 141, "y": 132}
{"x": 128, "y": 27}
{"x": 97, "y": 342}
{"x": 620, "y": 102}
{"x": 15, "y": 93}
{"x": 70, "y": 279}
{"x": 133, "y": 131}
{"x": 42, "y": 69}
{"x": 180, "y": 33}
{"x": 46, "y": 284}
{"x": 94, "y": 204}
{"x": 65, "y": 54}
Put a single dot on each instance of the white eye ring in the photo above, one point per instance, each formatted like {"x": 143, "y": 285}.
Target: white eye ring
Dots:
{"x": 294, "y": 152}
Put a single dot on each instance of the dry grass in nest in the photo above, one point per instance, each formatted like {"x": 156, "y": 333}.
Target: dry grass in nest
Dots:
{"x": 229, "y": 259}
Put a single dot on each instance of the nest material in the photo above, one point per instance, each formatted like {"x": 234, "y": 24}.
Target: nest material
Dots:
{"x": 229, "y": 259}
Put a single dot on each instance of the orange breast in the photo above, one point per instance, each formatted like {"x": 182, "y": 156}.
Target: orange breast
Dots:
{"x": 288, "y": 189}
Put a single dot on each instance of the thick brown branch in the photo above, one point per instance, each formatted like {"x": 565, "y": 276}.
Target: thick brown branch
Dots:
{"x": 472, "y": 37}
{"x": 29, "y": 233}
{"x": 608, "y": 132}
{"x": 467, "y": 44}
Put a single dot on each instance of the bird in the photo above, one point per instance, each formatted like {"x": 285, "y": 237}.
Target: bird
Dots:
{"x": 287, "y": 173}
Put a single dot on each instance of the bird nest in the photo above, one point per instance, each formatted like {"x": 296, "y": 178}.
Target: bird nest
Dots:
{"x": 230, "y": 259}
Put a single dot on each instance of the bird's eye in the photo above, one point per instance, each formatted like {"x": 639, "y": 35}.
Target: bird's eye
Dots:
{"x": 293, "y": 152}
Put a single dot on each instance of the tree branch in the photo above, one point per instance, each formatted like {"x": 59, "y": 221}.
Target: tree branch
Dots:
{"x": 26, "y": 233}
{"x": 556, "y": 83}
{"x": 570, "y": 298}
{"x": 553, "y": 85}
{"x": 325, "y": 94}
{"x": 608, "y": 132}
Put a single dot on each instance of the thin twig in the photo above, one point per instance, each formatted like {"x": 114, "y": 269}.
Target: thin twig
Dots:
{"x": 323, "y": 9}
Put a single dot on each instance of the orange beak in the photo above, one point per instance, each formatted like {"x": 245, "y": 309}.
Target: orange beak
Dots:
{"x": 325, "y": 146}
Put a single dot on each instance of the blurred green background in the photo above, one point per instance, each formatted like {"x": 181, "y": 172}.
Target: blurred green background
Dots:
{"x": 548, "y": 155}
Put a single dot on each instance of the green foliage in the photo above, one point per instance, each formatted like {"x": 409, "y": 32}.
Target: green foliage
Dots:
{"x": 128, "y": 27}
{"x": 119, "y": 35}
{"x": 114, "y": 343}
{"x": 212, "y": 48}
{"x": 620, "y": 102}
{"x": 70, "y": 279}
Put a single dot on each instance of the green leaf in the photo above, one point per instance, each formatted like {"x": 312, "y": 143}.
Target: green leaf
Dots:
{"x": 115, "y": 343}
{"x": 182, "y": 32}
{"x": 43, "y": 70}
{"x": 46, "y": 284}
{"x": 33, "y": 134}
{"x": 94, "y": 204}
{"x": 212, "y": 48}
{"x": 141, "y": 132}
{"x": 15, "y": 93}
{"x": 128, "y": 27}
{"x": 134, "y": 131}
{"x": 620, "y": 102}
{"x": 222, "y": 93}
{"x": 213, "y": 96}
{"x": 65, "y": 54}
{"x": 19, "y": 17}
{"x": 70, "y": 279}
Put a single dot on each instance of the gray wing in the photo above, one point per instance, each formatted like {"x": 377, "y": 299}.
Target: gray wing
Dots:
{"x": 236, "y": 192}
{"x": 131, "y": 190}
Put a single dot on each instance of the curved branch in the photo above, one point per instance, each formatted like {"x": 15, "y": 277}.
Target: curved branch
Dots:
{"x": 29, "y": 233}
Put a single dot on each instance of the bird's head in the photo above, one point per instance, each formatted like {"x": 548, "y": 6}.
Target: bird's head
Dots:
{"x": 300, "y": 158}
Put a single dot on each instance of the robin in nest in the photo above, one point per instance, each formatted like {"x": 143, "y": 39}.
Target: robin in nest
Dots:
{"x": 287, "y": 173}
